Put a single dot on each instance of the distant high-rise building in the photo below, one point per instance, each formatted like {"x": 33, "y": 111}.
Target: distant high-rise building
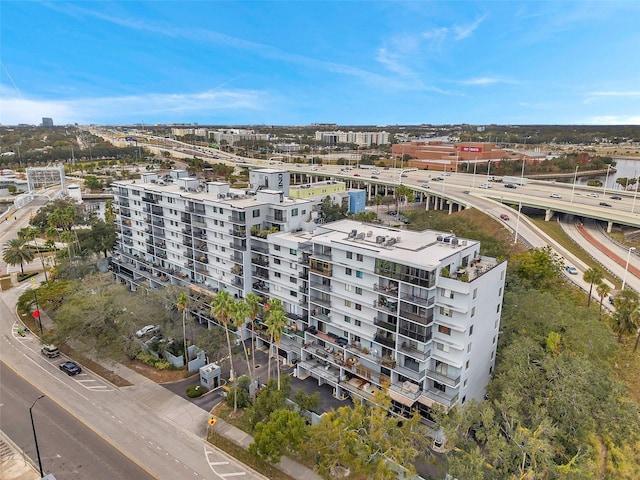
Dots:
{"x": 47, "y": 122}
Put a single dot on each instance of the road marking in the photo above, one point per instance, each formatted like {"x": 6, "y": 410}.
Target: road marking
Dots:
{"x": 235, "y": 474}
{"x": 218, "y": 463}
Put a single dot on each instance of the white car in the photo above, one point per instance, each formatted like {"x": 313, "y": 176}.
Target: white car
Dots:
{"x": 485, "y": 185}
{"x": 592, "y": 195}
{"x": 146, "y": 330}
{"x": 555, "y": 195}
{"x": 571, "y": 270}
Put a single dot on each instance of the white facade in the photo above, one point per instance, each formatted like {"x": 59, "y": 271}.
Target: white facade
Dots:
{"x": 363, "y": 139}
{"x": 367, "y": 305}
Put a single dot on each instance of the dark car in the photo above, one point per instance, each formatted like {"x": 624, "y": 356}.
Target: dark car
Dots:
{"x": 616, "y": 197}
{"x": 510, "y": 185}
{"x": 605, "y": 204}
{"x": 70, "y": 368}
{"x": 438, "y": 179}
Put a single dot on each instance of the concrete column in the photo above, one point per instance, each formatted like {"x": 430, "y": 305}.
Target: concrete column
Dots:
{"x": 609, "y": 226}
{"x": 450, "y": 208}
{"x": 427, "y": 200}
{"x": 548, "y": 215}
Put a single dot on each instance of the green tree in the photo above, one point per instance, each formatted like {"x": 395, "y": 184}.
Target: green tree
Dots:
{"x": 402, "y": 193}
{"x": 221, "y": 307}
{"x": 270, "y": 399}
{"x": 331, "y": 212}
{"x": 538, "y": 266}
{"x": 367, "y": 440}
{"x": 377, "y": 201}
{"x": 239, "y": 314}
{"x": 253, "y": 304}
{"x": 625, "y": 319}
{"x": 602, "y": 289}
{"x": 30, "y": 234}
{"x": 183, "y": 307}
{"x": 17, "y": 252}
{"x": 591, "y": 276}
{"x": 284, "y": 432}
{"x": 275, "y": 320}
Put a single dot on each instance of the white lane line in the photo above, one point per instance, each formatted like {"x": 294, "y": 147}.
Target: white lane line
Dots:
{"x": 236, "y": 474}
{"x": 218, "y": 463}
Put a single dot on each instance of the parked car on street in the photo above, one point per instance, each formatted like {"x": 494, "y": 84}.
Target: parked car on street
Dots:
{"x": 50, "y": 351}
{"x": 70, "y": 368}
{"x": 504, "y": 217}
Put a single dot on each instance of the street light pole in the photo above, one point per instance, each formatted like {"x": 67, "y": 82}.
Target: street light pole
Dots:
{"x": 33, "y": 426}
{"x": 635, "y": 194}
{"x": 626, "y": 268}
{"x": 575, "y": 177}
{"x": 604, "y": 191}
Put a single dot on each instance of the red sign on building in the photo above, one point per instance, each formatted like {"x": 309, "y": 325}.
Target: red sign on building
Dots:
{"x": 471, "y": 149}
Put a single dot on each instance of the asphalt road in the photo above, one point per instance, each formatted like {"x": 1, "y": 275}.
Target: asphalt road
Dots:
{"x": 68, "y": 449}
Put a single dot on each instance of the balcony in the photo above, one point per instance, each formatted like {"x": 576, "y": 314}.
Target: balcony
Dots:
{"x": 323, "y": 302}
{"x": 386, "y": 325}
{"x": 237, "y": 219}
{"x": 386, "y": 341}
{"x": 203, "y": 259}
{"x": 440, "y": 378}
{"x": 185, "y": 218}
{"x": 259, "y": 249}
{"x": 199, "y": 224}
{"x": 201, "y": 234}
{"x": 202, "y": 247}
{"x": 187, "y": 242}
{"x": 390, "y": 290}
{"x": 238, "y": 232}
{"x": 186, "y": 230}
{"x": 424, "y": 302}
{"x": 260, "y": 273}
{"x": 276, "y": 219}
{"x": 419, "y": 337}
{"x": 124, "y": 212}
{"x": 261, "y": 287}
{"x": 262, "y": 261}
{"x": 413, "y": 352}
{"x": 320, "y": 286}
{"x": 158, "y": 223}
{"x": 425, "y": 319}
{"x": 410, "y": 373}
{"x": 149, "y": 199}
{"x": 238, "y": 246}
{"x": 236, "y": 257}
{"x": 438, "y": 396}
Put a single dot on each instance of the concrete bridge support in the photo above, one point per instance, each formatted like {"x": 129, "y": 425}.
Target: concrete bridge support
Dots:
{"x": 548, "y": 215}
{"x": 609, "y": 226}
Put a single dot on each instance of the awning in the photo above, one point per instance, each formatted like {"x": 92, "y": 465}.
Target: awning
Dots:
{"x": 426, "y": 401}
{"x": 401, "y": 399}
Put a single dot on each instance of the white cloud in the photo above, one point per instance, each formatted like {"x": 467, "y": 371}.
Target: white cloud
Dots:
{"x": 483, "y": 81}
{"x": 616, "y": 94}
{"x": 462, "y": 32}
{"x": 610, "y": 120}
{"x": 14, "y": 109}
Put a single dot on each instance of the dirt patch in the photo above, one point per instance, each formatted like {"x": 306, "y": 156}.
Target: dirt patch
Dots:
{"x": 158, "y": 376}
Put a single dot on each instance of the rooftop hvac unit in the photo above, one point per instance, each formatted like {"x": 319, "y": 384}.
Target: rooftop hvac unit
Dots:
{"x": 379, "y": 239}
{"x": 454, "y": 241}
{"x": 447, "y": 240}
{"x": 391, "y": 241}
{"x": 369, "y": 234}
{"x": 353, "y": 233}
{"x": 439, "y": 238}
{"x": 360, "y": 236}
{"x": 397, "y": 239}
{"x": 221, "y": 195}
{"x": 463, "y": 243}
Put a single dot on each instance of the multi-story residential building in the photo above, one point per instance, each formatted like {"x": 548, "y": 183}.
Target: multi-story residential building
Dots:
{"x": 363, "y": 139}
{"x": 368, "y": 305}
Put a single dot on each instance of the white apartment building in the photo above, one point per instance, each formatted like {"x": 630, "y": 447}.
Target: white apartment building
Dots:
{"x": 363, "y": 139}
{"x": 367, "y": 305}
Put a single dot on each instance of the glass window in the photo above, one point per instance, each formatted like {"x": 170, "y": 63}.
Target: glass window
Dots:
{"x": 294, "y": 212}
{"x": 358, "y": 291}
{"x": 293, "y": 251}
{"x": 359, "y": 257}
{"x": 256, "y": 213}
{"x": 347, "y": 271}
{"x": 347, "y": 318}
{"x": 349, "y": 255}
{"x": 359, "y": 274}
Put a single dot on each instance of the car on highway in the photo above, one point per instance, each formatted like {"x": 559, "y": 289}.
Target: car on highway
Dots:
{"x": 592, "y": 195}
{"x": 510, "y": 185}
{"x": 571, "y": 270}
{"x": 146, "y": 330}
{"x": 555, "y": 195}
{"x": 445, "y": 174}
{"x": 616, "y": 197}
{"x": 604, "y": 204}
{"x": 50, "y": 351}
{"x": 375, "y": 177}
{"x": 438, "y": 179}
{"x": 356, "y": 174}
{"x": 485, "y": 185}
{"x": 504, "y": 217}
{"x": 70, "y": 368}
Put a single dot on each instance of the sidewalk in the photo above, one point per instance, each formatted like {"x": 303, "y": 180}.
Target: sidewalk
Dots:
{"x": 180, "y": 411}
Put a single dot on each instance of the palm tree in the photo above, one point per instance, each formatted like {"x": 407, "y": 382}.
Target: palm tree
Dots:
{"x": 239, "y": 314}
{"x": 400, "y": 192}
{"x": 377, "y": 201}
{"x": 183, "y": 305}
{"x": 276, "y": 320}
{"x": 592, "y": 275}
{"x": 602, "y": 289}
{"x": 253, "y": 305}
{"x": 625, "y": 318}
{"x": 16, "y": 251}
{"x": 221, "y": 306}
{"x": 30, "y": 234}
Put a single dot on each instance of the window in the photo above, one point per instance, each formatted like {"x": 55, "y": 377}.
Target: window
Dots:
{"x": 492, "y": 354}
{"x": 494, "y": 340}
{"x": 293, "y": 280}
{"x": 255, "y": 213}
{"x": 349, "y": 255}
{"x": 277, "y": 274}
{"x": 358, "y": 291}
{"x": 442, "y": 347}
{"x": 215, "y": 209}
{"x": 276, "y": 261}
{"x": 475, "y": 292}
{"x": 347, "y": 318}
{"x": 347, "y": 303}
{"x": 498, "y": 308}
{"x": 347, "y": 287}
{"x": 439, "y": 386}
{"x": 276, "y": 248}
{"x": 466, "y": 365}
{"x": 471, "y": 330}
{"x": 359, "y": 274}
{"x": 221, "y": 211}
{"x": 358, "y": 306}
{"x": 358, "y": 323}
{"x": 500, "y": 292}
{"x": 294, "y": 212}
{"x": 293, "y": 293}
{"x": 446, "y": 312}
{"x": 293, "y": 251}
{"x": 443, "y": 329}
{"x": 464, "y": 384}
{"x": 469, "y": 348}
{"x": 359, "y": 257}
{"x": 464, "y": 399}
{"x": 347, "y": 271}
{"x": 473, "y": 312}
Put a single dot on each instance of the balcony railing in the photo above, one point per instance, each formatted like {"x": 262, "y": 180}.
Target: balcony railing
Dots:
{"x": 440, "y": 378}
{"x": 386, "y": 341}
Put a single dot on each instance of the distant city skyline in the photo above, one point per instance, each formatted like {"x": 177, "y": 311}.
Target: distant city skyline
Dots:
{"x": 298, "y": 63}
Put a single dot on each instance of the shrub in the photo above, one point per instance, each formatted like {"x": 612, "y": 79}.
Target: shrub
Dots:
{"x": 194, "y": 391}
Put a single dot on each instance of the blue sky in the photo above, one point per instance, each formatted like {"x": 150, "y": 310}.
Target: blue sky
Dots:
{"x": 295, "y": 63}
